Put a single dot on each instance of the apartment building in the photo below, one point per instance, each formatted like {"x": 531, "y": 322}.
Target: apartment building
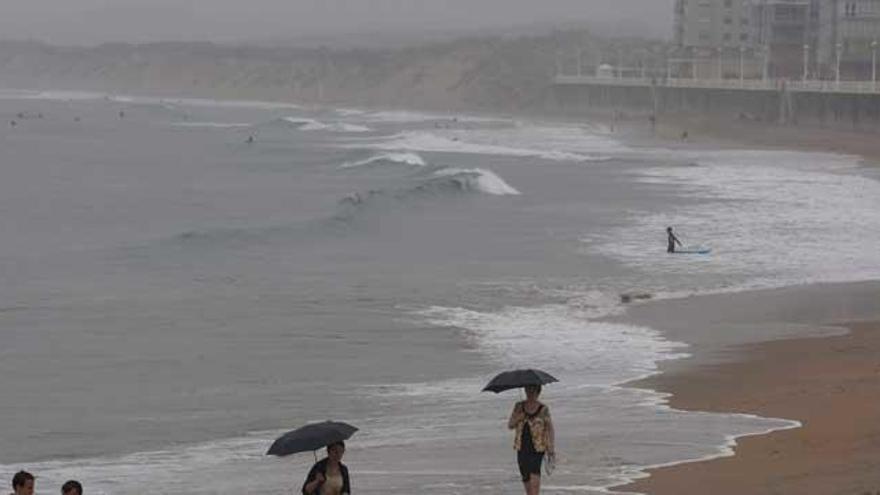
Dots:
{"x": 715, "y": 38}
{"x": 787, "y": 32}
{"x": 777, "y": 39}
{"x": 849, "y": 31}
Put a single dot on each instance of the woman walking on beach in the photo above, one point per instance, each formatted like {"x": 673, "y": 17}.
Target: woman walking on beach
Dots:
{"x": 534, "y": 438}
{"x": 329, "y": 476}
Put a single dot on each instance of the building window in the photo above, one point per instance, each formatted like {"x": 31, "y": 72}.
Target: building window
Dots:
{"x": 850, "y": 9}
{"x": 744, "y": 37}
{"x": 728, "y": 20}
{"x": 727, "y": 36}
{"x": 728, "y": 3}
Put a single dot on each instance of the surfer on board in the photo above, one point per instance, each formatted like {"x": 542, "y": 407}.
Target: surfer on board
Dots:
{"x": 671, "y": 241}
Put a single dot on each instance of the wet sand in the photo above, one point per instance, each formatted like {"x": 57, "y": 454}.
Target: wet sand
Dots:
{"x": 735, "y": 133}
{"x": 830, "y": 384}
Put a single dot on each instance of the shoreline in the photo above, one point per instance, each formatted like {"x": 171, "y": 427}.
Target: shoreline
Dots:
{"x": 729, "y": 354}
{"x": 631, "y": 129}
{"x": 821, "y": 375}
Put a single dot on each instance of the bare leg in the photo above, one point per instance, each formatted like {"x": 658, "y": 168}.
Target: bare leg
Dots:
{"x": 533, "y": 487}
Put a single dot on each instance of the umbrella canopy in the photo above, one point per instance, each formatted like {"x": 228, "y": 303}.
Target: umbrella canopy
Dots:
{"x": 311, "y": 437}
{"x": 518, "y": 379}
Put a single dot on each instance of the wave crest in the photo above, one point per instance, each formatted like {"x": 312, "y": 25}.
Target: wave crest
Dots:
{"x": 402, "y": 158}
{"x": 302, "y": 124}
{"x": 426, "y": 141}
{"x": 477, "y": 179}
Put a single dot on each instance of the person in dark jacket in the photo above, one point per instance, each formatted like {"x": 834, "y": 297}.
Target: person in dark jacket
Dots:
{"x": 329, "y": 476}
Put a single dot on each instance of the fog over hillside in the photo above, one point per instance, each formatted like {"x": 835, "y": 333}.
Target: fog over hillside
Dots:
{"x": 488, "y": 73}
{"x": 323, "y": 21}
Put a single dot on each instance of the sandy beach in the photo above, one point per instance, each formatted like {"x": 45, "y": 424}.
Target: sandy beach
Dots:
{"x": 829, "y": 384}
{"x": 736, "y": 133}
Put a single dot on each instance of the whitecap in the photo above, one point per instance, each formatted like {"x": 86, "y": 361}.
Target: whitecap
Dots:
{"x": 411, "y": 159}
{"x": 479, "y": 179}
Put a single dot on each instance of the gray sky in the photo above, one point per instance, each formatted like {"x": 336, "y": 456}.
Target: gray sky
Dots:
{"x": 92, "y": 21}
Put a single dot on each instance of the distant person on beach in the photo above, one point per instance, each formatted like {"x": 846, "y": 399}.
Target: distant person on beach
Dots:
{"x": 72, "y": 487}
{"x": 329, "y": 476}
{"x": 23, "y": 483}
{"x": 534, "y": 438}
{"x": 671, "y": 240}
{"x": 684, "y": 136}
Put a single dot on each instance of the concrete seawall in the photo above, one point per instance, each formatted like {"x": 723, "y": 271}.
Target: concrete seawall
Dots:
{"x": 778, "y": 103}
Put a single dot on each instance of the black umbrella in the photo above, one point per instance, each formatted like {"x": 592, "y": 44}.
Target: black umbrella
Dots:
{"x": 518, "y": 379}
{"x": 311, "y": 437}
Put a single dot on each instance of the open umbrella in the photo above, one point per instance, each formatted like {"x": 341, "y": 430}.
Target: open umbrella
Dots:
{"x": 518, "y": 379}
{"x": 311, "y": 437}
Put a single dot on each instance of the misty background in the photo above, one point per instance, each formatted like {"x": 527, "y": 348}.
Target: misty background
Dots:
{"x": 88, "y": 22}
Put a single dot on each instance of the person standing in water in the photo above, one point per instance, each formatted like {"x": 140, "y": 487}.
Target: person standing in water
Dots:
{"x": 534, "y": 438}
{"x": 329, "y": 476}
{"x": 672, "y": 240}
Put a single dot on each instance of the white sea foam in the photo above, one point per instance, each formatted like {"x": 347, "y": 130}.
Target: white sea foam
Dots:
{"x": 568, "y": 339}
{"x": 349, "y": 112}
{"x": 480, "y": 179}
{"x": 315, "y": 125}
{"x": 176, "y": 470}
{"x": 217, "y": 125}
{"x": 772, "y": 219}
{"x": 203, "y": 102}
{"x": 52, "y": 95}
{"x": 403, "y": 117}
{"x": 436, "y": 142}
{"x": 411, "y": 159}
{"x": 62, "y": 95}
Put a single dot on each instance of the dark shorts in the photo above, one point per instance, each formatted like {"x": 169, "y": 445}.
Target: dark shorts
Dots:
{"x": 529, "y": 464}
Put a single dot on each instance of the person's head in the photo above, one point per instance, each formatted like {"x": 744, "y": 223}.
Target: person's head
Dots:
{"x": 669, "y": 229}
{"x": 533, "y": 391}
{"x": 23, "y": 483}
{"x": 72, "y": 487}
{"x": 335, "y": 451}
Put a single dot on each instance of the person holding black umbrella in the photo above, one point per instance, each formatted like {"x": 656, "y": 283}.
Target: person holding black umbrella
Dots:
{"x": 329, "y": 476}
{"x": 535, "y": 435}
{"x": 534, "y": 438}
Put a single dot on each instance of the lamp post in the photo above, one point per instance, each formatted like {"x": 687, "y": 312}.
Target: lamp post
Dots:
{"x": 720, "y": 63}
{"x": 742, "y": 76}
{"x": 839, "y": 52}
{"x": 806, "y": 62}
{"x": 874, "y": 65}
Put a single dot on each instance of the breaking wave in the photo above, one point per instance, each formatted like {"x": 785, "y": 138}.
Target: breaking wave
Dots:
{"x": 443, "y": 182}
{"x": 315, "y": 125}
{"x": 401, "y": 158}
{"x": 477, "y": 179}
{"x": 432, "y": 142}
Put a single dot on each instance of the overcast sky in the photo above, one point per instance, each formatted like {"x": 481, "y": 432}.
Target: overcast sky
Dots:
{"x": 93, "y": 21}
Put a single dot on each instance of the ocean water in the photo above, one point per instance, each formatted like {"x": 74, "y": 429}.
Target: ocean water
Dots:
{"x": 173, "y": 297}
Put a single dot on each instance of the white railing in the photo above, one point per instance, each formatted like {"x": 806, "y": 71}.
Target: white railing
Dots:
{"x": 849, "y": 87}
